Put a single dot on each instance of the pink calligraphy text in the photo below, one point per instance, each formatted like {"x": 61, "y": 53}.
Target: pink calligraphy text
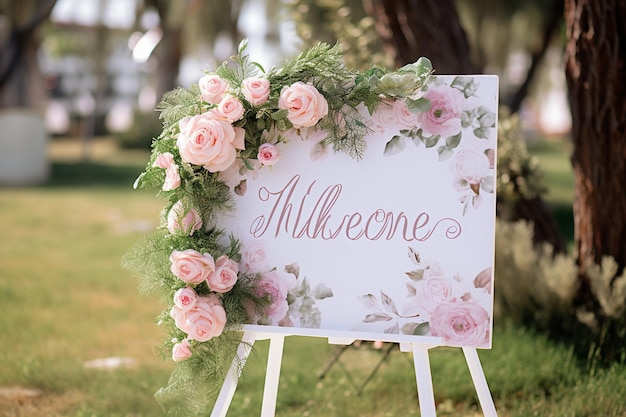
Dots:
{"x": 311, "y": 216}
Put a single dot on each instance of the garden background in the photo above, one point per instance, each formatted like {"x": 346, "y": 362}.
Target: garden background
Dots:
{"x": 78, "y": 338}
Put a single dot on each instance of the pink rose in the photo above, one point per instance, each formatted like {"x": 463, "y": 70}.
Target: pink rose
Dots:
{"x": 461, "y": 323}
{"x": 276, "y": 286}
{"x": 229, "y": 108}
{"x": 181, "y": 351}
{"x": 444, "y": 116}
{"x": 164, "y": 160}
{"x": 180, "y": 319}
{"x": 470, "y": 166}
{"x": 268, "y": 154}
{"x": 254, "y": 258}
{"x": 172, "y": 178}
{"x": 209, "y": 141}
{"x": 256, "y": 90}
{"x": 185, "y": 298}
{"x": 385, "y": 115}
{"x": 183, "y": 221}
{"x": 225, "y": 275}
{"x": 406, "y": 118}
{"x": 427, "y": 294}
{"x": 305, "y": 105}
{"x": 191, "y": 266}
{"x": 212, "y": 88}
{"x": 206, "y": 319}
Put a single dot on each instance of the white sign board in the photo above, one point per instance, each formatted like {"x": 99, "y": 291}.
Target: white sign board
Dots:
{"x": 397, "y": 245}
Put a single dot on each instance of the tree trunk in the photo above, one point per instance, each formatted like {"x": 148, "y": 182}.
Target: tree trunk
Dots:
{"x": 596, "y": 78}
{"x": 430, "y": 28}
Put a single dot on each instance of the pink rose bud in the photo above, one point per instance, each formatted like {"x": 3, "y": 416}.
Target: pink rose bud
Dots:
{"x": 172, "y": 178}
{"x": 305, "y": 105}
{"x": 181, "y": 351}
{"x": 256, "y": 90}
{"x": 212, "y": 88}
{"x": 183, "y": 221}
{"x": 164, "y": 160}
{"x": 268, "y": 154}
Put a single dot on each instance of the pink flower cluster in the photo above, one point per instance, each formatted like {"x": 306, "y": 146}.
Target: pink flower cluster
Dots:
{"x": 201, "y": 317}
{"x": 456, "y": 310}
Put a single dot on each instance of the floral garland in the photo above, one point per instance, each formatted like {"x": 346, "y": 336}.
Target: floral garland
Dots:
{"x": 228, "y": 123}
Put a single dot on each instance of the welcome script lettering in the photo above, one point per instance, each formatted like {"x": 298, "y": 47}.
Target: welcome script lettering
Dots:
{"x": 313, "y": 217}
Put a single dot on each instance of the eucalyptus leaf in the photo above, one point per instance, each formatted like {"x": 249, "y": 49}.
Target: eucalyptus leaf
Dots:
{"x": 394, "y": 146}
{"x": 453, "y": 141}
{"x": 445, "y": 153}
{"x": 422, "y": 329}
{"x": 376, "y": 317}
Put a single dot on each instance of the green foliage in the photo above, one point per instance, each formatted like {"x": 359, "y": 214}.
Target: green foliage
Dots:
{"x": 519, "y": 173}
{"x": 341, "y": 21}
{"x": 533, "y": 285}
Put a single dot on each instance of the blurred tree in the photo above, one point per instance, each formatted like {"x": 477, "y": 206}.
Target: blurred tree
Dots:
{"x": 21, "y": 83}
{"x": 596, "y": 78}
{"x": 191, "y": 26}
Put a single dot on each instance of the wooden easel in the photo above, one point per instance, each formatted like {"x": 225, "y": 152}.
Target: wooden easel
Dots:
{"x": 277, "y": 340}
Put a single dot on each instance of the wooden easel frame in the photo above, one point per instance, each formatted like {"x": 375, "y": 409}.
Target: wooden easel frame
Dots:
{"x": 421, "y": 361}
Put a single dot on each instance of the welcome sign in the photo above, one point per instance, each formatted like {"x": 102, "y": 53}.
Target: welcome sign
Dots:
{"x": 396, "y": 245}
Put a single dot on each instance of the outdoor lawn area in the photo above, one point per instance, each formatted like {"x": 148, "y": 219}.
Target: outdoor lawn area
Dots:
{"x": 69, "y": 310}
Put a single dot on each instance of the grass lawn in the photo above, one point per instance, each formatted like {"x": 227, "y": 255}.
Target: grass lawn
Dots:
{"x": 66, "y": 302}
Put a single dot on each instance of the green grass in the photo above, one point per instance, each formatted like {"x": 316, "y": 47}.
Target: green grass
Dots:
{"x": 553, "y": 155}
{"x": 65, "y": 300}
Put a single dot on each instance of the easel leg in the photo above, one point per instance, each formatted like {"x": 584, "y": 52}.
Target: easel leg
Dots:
{"x": 230, "y": 383}
{"x": 425, "y": 392}
{"x": 480, "y": 382}
{"x": 272, "y": 375}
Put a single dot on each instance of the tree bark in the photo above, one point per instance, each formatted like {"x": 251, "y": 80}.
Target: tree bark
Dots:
{"x": 20, "y": 78}
{"x": 430, "y": 28}
{"x": 596, "y": 78}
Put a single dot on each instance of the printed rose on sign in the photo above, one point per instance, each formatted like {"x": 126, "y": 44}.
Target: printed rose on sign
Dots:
{"x": 436, "y": 305}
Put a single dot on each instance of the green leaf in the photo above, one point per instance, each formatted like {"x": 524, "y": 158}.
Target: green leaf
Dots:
{"x": 422, "y": 329}
{"x": 394, "y": 146}
{"x": 487, "y": 184}
{"x": 453, "y": 141}
{"x": 420, "y": 105}
{"x": 482, "y": 132}
{"x": 445, "y": 153}
{"x": 242, "y": 46}
{"x": 430, "y": 141}
{"x": 280, "y": 114}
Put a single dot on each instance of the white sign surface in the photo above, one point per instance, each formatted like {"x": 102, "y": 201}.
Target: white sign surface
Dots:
{"x": 397, "y": 245}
